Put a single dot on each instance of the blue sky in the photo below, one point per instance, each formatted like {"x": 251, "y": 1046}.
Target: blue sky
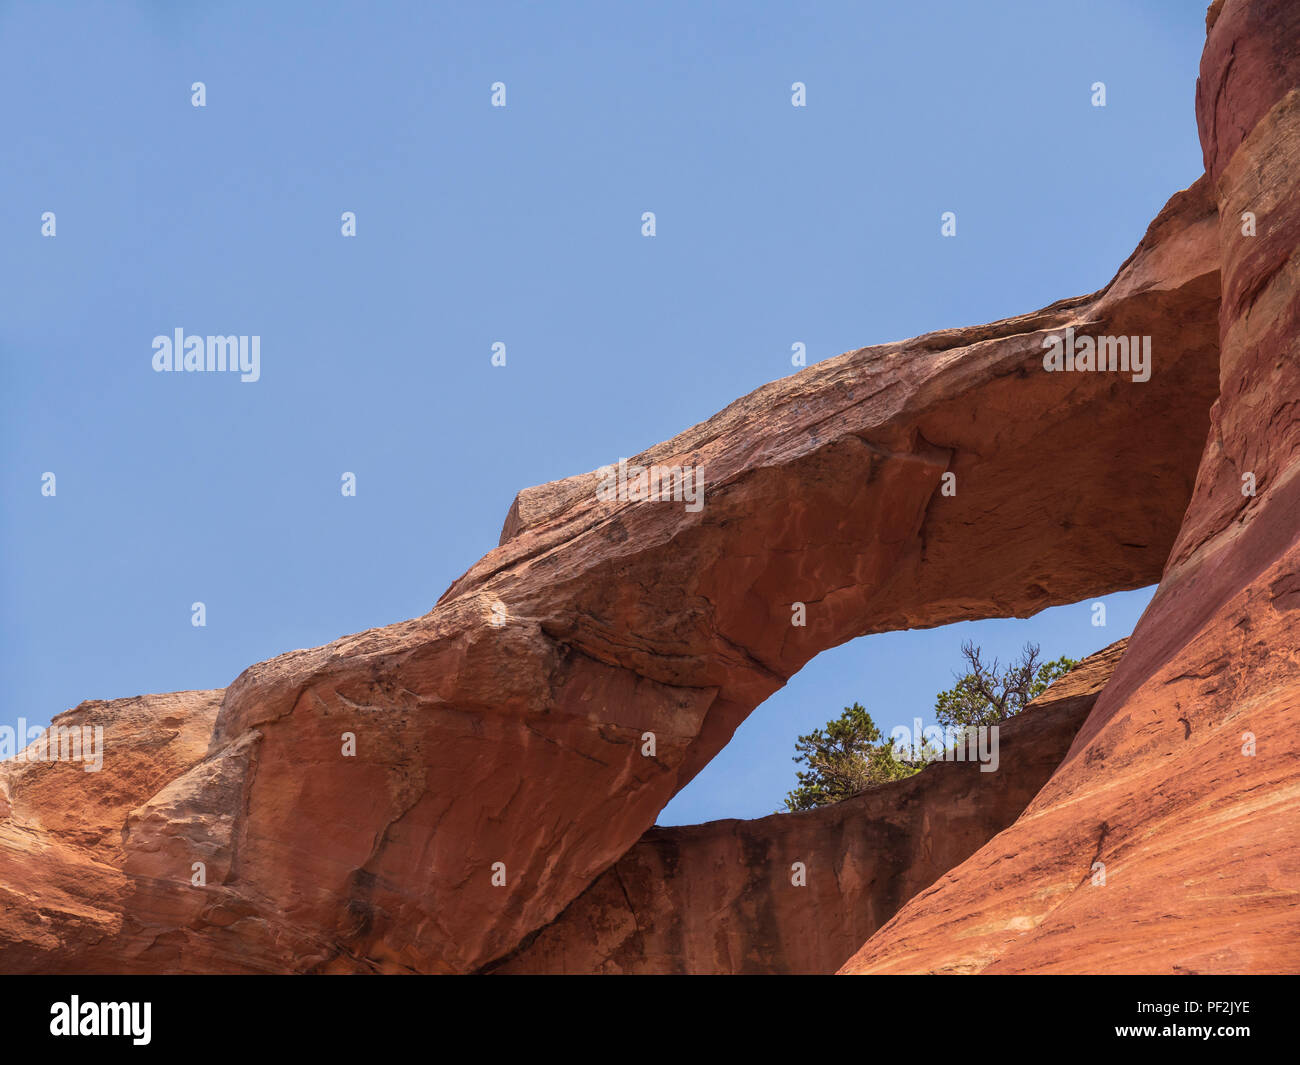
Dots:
{"x": 522, "y": 225}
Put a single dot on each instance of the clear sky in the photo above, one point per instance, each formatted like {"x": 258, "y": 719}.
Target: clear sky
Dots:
{"x": 519, "y": 225}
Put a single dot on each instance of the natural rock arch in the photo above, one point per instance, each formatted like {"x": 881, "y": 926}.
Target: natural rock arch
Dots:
{"x": 505, "y": 725}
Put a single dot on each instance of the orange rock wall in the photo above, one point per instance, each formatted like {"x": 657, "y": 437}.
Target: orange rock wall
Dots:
{"x": 501, "y": 736}
{"x": 1185, "y": 781}
{"x": 722, "y": 898}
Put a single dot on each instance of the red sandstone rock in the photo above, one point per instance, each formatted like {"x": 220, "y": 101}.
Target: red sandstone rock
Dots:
{"x": 719, "y": 898}
{"x": 61, "y": 889}
{"x": 1198, "y": 838}
{"x": 520, "y": 743}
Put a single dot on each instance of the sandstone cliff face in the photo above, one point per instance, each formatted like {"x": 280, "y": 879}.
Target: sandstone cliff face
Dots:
{"x": 498, "y": 768}
{"x": 721, "y": 897}
{"x": 507, "y": 725}
{"x": 62, "y": 892}
{"x": 520, "y": 743}
{"x": 1183, "y": 782}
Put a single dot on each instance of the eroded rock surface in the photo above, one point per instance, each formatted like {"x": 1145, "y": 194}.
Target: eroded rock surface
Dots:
{"x": 1185, "y": 781}
{"x": 62, "y": 893}
{"x": 501, "y": 734}
{"x": 506, "y": 725}
{"x": 720, "y": 898}
{"x": 520, "y": 743}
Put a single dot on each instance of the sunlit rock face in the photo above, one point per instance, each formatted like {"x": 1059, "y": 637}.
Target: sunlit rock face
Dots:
{"x": 424, "y": 797}
{"x": 498, "y": 760}
{"x": 63, "y": 895}
{"x": 1183, "y": 782}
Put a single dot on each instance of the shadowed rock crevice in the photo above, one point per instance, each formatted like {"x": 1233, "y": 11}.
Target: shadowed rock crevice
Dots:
{"x": 719, "y": 897}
